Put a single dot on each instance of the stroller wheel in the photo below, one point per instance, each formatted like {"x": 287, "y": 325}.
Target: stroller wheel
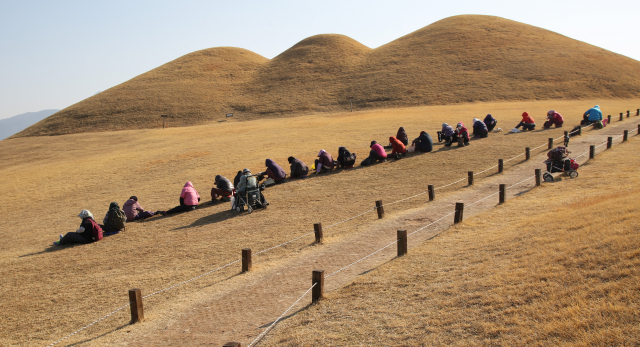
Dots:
{"x": 249, "y": 209}
{"x": 264, "y": 206}
{"x": 573, "y": 174}
{"x": 547, "y": 177}
{"x": 239, "y": 208}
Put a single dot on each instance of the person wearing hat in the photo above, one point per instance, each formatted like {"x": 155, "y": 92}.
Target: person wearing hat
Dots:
{"x": 223, "y": 189}
{"x": 189, "y": 199}
{"x": 298, "y": 168}
{"x": 324, "y": 162}
{"x": 448, "y": 135}
{"x": 424, "y": 143}
{"x": 134, "y": 211}
{"x": 463, "y": 135}
{"x": 480, "y": 129}
{"x": 246, "y": 181}
{"x": 592, "y": 115}
{"x": 553, "y": 118}
{"x": 377, "y": 153}
{"x": 88, "y": 232}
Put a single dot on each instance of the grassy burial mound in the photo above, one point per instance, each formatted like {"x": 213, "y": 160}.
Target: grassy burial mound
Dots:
{"x": 558, "y": 266}
{"x": 458, "y": 59}
{"x": 71, "y": 286}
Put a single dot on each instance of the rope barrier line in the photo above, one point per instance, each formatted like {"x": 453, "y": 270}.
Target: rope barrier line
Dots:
{"x": 361, "y": 259}
{"x": 282, "y": 315}
{"x": 282, "y": 244}
{"x": 346, "y": 220}
{"x": 94, "y": 322}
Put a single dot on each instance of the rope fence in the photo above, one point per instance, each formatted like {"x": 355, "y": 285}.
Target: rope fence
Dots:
{"x": 332, "y": 225}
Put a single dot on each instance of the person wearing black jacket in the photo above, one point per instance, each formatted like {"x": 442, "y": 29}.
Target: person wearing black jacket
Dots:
{"x": 298, "y": 168}
{"x": 424, "y": 143}
{"x": 223, "y": 189}
{"x": 346, "y": 159}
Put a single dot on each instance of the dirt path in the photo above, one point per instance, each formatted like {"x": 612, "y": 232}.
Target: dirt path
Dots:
{"x": 245, "y": 306}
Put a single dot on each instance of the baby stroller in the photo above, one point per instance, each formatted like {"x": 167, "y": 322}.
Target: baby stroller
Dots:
{"x": 558, "y": 162}
{"x": 252, "y": 198}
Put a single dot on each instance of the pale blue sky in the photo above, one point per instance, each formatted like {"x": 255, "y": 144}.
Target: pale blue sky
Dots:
{"x": 56, "y": 53}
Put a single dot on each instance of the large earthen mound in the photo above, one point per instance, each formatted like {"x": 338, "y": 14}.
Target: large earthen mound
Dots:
{"x": 458, "y": 59}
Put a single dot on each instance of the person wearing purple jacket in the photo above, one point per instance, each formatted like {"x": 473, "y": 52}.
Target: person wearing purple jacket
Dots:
{"x": 480, "y": 129}
{"x": 324, "y": 162}
{"x": 274, "y": 171}
{"x": 134, "y": 211}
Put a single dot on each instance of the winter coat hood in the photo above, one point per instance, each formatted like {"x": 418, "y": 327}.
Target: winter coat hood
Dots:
{"x": 277, "y": 171}
{"x": 402, "y": 135}
{"x": 85, "y": 214}
{"x": 321, "y": 151}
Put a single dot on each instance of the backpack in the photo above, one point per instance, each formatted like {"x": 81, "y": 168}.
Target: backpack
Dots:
{"x": 557, "y": 153}
{"x": 598, "y": 125}
{"x": 116, "y": 219}
{"x": 96, "y": 231}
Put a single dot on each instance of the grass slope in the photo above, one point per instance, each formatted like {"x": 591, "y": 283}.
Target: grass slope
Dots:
{"x": 458, "y": 59}
{"x": 558, "y": 266}
{"x": 48, "y": 180}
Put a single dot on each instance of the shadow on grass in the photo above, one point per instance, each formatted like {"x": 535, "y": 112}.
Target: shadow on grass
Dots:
{"x": 99, "y": 336}
{"x": 211, "y": 219}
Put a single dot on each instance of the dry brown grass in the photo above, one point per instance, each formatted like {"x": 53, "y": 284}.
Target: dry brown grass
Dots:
{"x": 559, "y": 266}
{"x": 48, "y": 180}
{"x": 458, "y": 59}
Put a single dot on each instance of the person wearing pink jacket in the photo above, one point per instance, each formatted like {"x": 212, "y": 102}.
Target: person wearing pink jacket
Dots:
{"x": 189, "y": 199}
{"x": 377, "y": 153}
{"x": 553, "y": 118}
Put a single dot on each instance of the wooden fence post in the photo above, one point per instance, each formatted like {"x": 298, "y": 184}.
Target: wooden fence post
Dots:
{"x": 317, "y": 292}
{"x": 402, "y": 242}
{"x": 432, "y": 191}
{"x": 580, "y": 130}
{"x": 638, "y": 112}
{"x": 628, "y": 113}
{"x": 609, "y": 119}
{"x": 609, "y": 142}
{"x": 538, "y": 177}
{"x": 501, "y": 162}
{"x": 380, "y": 209}
{"x": 470, "y": 177}
{"x": 550, "y": 142}
{"x": 625, "y": 135}
{"x": 232, "y": 344}
{"x": 527, "y": 152}
{"x": 592, "y": 151}
{"x": 317, "y": 228}
{"x": 503, "y": 193}
{"x": 137, "y": 311}
{"x": 246, "y": 259}
{"x": 621, "y": 115}
{"x": 459, "y": 212}
{"x": 639, "y": 129}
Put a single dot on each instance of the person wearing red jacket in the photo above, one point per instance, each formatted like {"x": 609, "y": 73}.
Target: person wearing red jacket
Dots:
{"x": 527, "y": 122}
{"x": 399, "y": 148}
{"x": 462, "y": 134}
{"x": 553, "y": 117}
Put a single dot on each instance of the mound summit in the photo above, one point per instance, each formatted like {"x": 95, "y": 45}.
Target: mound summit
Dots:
{"x": 458, "y": 59}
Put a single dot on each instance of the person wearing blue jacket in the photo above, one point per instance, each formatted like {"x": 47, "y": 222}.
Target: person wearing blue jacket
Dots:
{"x": 479, "y": 128}
{"x": 592, "y": 115}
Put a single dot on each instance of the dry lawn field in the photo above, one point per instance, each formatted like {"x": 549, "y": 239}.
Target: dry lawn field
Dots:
{"x": 48, "y": 292}
{"x": 559, "y": 266}
{"x": 459, "y": 59}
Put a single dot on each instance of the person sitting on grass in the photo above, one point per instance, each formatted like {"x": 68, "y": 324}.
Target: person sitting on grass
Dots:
{"x": 553, "y": 118}
{"x": 222, "y": 190}
{"x": 592, "y": 115}
{"x": 134, "y": 211}
{"x": 424, "y": 143}
{"x": 324, "y": 162}
{"x": 189, "y": 199}
{"x": 88, "y": 232}
{"x": 298, "y": 168}
{"x": 480, "y": 129}
{"x": 274, "y": 171}
{"x": 527, "y": 122}
{"x": 402, "y": 136}
{"x": 346, "y": 159}
{"x": 490, "y": 122}
{"x": 114, "y": 220}
{"x": 462, "y": 134}
{"x": 398, "y": 148}
{"x": 448, "y": 134}
{"x": 376, "y": 154}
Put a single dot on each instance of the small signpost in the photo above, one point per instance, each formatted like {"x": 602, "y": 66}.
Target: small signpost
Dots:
{"x": 350, "y": 103}
{"x": 229, "y": 114}
{"x": 164, "y": 118}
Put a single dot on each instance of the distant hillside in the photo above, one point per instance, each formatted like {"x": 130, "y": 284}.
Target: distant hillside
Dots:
{"x": 15, "y": 124}
{"x": 458, "y": 59}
